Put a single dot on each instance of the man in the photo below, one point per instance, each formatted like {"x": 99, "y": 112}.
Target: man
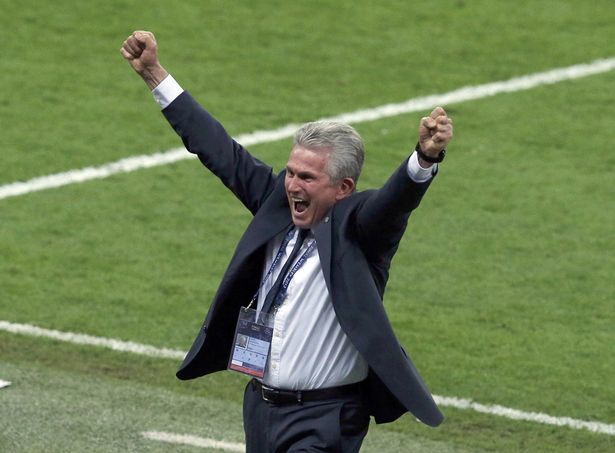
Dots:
{"x": 314, "y": 264}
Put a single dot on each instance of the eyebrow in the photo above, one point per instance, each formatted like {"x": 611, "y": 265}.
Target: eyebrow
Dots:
{"x": 302, "y": 174}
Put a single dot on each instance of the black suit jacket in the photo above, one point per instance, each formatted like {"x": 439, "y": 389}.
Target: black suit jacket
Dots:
{"x": 355, "y": 242}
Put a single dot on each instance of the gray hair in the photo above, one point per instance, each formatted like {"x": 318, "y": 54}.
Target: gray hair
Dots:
{"x": 344, "y": 142}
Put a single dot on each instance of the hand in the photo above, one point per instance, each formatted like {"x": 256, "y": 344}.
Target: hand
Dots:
{"x": 435, "y": 132}
{"x": 141, "y": 51}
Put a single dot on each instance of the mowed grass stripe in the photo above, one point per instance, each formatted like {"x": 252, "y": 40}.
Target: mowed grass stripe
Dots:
{"x": 152, "y": 351}
{"x": 463, "y": 94}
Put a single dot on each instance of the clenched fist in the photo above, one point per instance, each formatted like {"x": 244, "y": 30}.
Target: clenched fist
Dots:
{"x": 435, "y": 132}
{"x": 141, "y": 51}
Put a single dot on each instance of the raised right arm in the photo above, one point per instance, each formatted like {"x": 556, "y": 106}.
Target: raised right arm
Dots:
{"x": 247, "y": 177}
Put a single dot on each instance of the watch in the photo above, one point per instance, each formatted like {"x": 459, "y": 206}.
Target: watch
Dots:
{"x": 434, "y": 160}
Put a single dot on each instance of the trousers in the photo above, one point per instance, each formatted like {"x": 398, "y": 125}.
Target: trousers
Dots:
{"x": 331, "y": 425}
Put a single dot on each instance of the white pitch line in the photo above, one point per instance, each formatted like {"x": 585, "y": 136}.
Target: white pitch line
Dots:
{"x": 194, "y": 441}
{"x": 467, "y": 93}
{"x": 446, "y": 401}
{"x": 89, "y": 340}
{"x": 515, "y": 414}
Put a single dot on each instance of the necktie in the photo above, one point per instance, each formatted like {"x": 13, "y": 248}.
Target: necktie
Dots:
{"x": 275, "y": 289}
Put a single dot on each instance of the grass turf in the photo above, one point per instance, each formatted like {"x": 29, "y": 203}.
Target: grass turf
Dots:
{"x": 514, "y": 304}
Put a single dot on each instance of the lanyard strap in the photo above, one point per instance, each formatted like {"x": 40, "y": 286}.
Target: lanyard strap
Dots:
{"x": 283, "y": 289}
{"x": 275, "y": 262}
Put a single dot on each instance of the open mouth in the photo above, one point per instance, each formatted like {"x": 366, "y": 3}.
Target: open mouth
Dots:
{"x": 299, "y": 205}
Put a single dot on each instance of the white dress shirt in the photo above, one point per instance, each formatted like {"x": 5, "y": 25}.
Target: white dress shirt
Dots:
{"x": 309, "y": 349}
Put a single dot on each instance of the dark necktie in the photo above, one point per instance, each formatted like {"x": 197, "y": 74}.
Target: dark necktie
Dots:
{"x": 275, "y": 289}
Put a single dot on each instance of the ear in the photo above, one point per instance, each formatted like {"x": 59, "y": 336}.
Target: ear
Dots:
{"x": 345, "y": 188}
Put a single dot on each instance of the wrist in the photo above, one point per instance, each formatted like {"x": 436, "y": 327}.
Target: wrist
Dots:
{"x": 423, "y": 163}
{"x": 153, "y": 75}
{"x": 427, "y": 159}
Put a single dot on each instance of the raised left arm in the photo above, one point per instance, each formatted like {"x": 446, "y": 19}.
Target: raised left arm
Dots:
{"x": 382, "y": 219}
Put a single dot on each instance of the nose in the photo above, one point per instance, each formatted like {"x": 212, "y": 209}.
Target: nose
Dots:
{"x": 291, "y": 184}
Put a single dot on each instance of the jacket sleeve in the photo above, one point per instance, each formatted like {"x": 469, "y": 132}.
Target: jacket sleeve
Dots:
{"x": 382, "y": 218}
{"x": 247, "y": 177}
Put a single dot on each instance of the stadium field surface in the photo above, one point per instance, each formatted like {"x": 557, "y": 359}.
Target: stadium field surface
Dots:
{"x": 113, "y": 240}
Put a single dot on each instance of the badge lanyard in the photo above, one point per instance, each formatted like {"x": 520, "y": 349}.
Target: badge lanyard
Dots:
{"x": 276, "y": 261}
{"x": 254, "y": 331}
{"x": 291, "y": 273}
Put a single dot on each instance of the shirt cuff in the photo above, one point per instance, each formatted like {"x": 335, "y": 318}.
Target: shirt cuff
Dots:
{"x": 167, "y": 91}
{"x": 418, "y": 173}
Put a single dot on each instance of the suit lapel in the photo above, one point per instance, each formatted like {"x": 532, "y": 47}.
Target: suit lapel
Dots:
{"x": 272, "y": 220}
{"x": 266, "y": 224}
{"x": 322, "y": 233}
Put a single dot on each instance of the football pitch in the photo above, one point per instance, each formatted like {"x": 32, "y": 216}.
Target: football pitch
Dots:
{"x": 113, "y": 241}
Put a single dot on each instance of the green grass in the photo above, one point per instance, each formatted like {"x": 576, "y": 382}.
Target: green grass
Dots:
{"x": 511, "y": 301}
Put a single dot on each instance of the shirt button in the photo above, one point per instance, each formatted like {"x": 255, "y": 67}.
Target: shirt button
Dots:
{"x": 274, "y": 366}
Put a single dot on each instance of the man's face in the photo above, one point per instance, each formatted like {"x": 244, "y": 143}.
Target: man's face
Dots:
{"x": 309, "y": 188}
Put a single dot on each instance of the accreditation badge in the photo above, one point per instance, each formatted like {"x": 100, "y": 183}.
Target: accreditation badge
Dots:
{"x": 252, "y": 342}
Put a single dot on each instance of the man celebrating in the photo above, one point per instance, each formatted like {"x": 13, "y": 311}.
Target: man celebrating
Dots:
{"x": 300, "y": 305}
